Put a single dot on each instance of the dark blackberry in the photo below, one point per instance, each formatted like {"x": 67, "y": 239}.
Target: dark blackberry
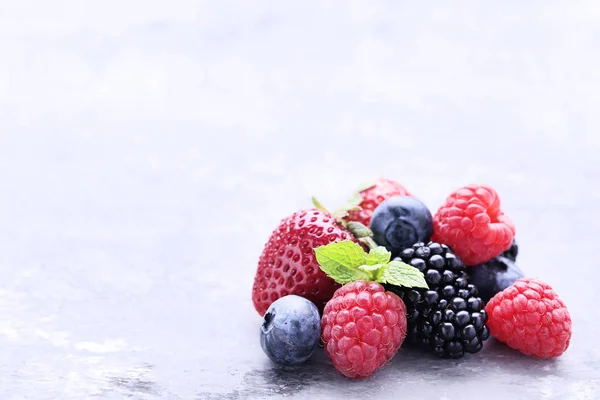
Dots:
{"x": 512, "y": 252}
{"x": 448, "y": 318}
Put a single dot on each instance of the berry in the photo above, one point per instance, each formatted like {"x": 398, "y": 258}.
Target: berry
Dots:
{"x": 530, "y": 317}
{"x": 373, "y": 196}
{"x": 290, "y": 331}
{"x": 288, "y": 265}
{"x": 363, "y": 327}
{"x": 401, "y": 221}
{"x": 512, "y": 252}
{"x": 448, "y": 318}
{"x": 494, "y": 276}
{"x": 472, "y": 224}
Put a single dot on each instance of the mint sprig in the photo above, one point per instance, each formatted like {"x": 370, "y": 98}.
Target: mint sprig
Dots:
{"x": 401, "y": 274}
{"x": 341, "y": 262}
{"x": 346, "y": 262}
{"x": 378, "y": 255}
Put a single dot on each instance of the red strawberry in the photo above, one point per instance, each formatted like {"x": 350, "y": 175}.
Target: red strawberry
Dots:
{"x": 288, "y": 265}
{"x": 372, "y": 196}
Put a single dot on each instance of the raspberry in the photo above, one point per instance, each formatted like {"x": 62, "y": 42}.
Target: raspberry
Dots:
{"x": 530, "y": 317}
{"x": 362, "y": 328}
{"x": 372, "y": 196}
{"x": 472, "y": 224}
{"x": 448, "y": 318}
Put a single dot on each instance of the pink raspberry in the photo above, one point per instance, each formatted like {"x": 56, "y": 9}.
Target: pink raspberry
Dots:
{"x": 473, "y": 225}
{"x": 363, "y": 327}
{"x": 530, "y": 317}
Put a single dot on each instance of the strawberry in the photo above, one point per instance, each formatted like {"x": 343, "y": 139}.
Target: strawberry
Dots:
{"x": 288, "y": 265}
{"x": 372, "y": 195}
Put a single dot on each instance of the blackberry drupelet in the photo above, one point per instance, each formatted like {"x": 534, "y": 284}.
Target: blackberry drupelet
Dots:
{"x": 448, "y": 318}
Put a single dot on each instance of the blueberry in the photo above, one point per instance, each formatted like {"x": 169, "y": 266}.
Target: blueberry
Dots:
{"x": 401, "y": 221}
{"x": 290, "y": 331}
{"x": 494, "y": 276}
{"x": 512, "y": 252}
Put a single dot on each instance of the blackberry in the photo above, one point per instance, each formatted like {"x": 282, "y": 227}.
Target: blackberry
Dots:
{"x": 449, "y": 317}
{"x": 512, "y": 252}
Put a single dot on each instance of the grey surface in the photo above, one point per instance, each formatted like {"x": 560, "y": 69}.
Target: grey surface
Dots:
{"x": 147, "y": 150}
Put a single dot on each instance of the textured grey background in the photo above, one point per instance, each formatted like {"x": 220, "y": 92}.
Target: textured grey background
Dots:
{"x": 147, "y": 150}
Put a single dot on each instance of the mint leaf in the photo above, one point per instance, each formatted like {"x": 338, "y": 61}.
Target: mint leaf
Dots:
{"x": 378, "y": 255}
{"x": 401, "y": 274}
{"x": 371, "y": 268}
{"x": 340, "y": 261}
{"x": 358, "y": 230}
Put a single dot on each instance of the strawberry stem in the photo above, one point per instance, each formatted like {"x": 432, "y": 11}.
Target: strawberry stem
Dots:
{"x": 357, "y": 229}
{"x": 369, "y": 242}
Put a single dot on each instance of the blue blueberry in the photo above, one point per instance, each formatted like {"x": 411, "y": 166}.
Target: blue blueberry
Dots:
{"x": 291, "y": 330}
{"x": 512, "y": 252}
{"x": 401, "y": 221}
{"x": 494, "y": 276}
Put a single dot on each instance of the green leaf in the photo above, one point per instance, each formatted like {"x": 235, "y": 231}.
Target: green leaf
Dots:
{"x": 340, "y": 261}
{"x": 373, "y": 270}
{"x": 353, "y": 202}
{"x": 372, "y": 267}
{"x": 366, "y": 185}
{"x": 401, "y": 274}
{"x": 318, "y": 205}
{"x": 339, "y": 215}
{"x": 378, "y": 255}
{"x": 358, "y": 230}
{"x": 369, "y": 242}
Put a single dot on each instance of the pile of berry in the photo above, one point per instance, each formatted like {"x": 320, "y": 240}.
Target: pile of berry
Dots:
{"x": 383, "y": 270}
